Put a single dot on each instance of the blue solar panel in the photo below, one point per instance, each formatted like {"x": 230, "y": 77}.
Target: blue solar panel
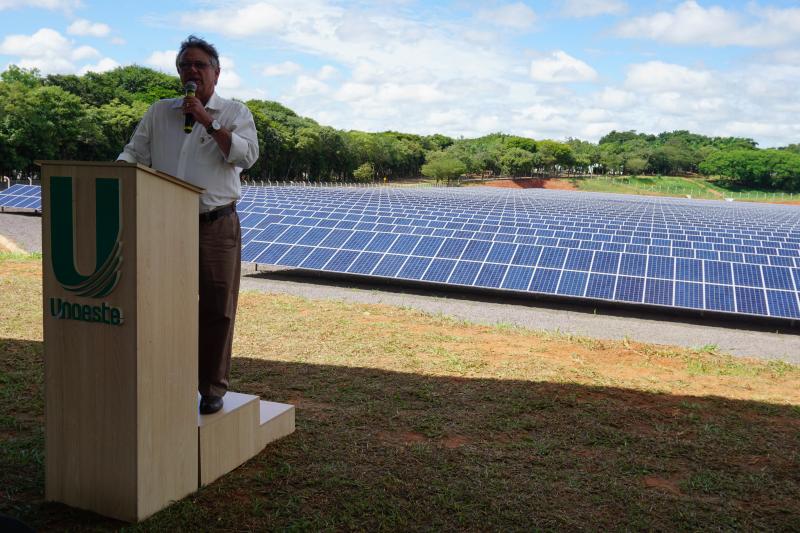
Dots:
{"x": 491, "y": 275}
{"x": 658, "y": 292}
{"x": 721, "y": 256}
{"x": 573, "y": 283}
{"x": 518, "y": 278}
{"x": 545, "y": 280}
{"x": 735, "y": 258}
{"x": 464, "y": 273}
{"x": 719, "y": 297}
{"x": 629, "y": 289}
{"x": 552, "y": 257}
{"x": 689, "y": 295}
{"x": 22, "y": 197}
{"x": 783, "y": 304}
{"x": 439, "y": 270}
{"x": 606, "y": 262}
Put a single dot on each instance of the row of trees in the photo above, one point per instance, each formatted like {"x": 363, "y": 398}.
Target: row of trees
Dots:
{"x": 92, "y": 116}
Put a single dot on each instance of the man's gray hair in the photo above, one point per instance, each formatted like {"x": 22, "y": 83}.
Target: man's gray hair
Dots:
{"x": 193, "y": 41}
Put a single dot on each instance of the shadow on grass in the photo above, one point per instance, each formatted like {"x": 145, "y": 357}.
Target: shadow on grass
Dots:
{"x": 382, "y": 450}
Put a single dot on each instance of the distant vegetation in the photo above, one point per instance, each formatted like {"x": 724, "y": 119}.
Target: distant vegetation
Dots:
{"x": 91, "y": 117}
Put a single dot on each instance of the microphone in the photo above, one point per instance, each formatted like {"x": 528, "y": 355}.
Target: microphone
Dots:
{"x": 188, "y": 119}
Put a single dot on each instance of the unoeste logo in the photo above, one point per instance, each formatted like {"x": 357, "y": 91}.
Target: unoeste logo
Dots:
{"x": 108, "y": 247}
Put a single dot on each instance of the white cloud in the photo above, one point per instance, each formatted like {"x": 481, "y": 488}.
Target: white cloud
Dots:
{"x": 327, "y": 72}
{"x": 451, "y": 119}
{"x": 83, "y": 52}
{"x": 416, "y": 72}
{"x": 247, "y": 20}
{"x": 761, "y": 129}
{"x": 163, "y": 60}
{"x": 657, "y": 76}
{"x": 390, "y": 46}
{"x": 48, "y": 51}
{"x": 593, "y": 114}
{"x": 773, "y": 82}
{"x": 43, "y": 41}
{"x": 282, "y": 69}
{"x": 613, "y": 98}
{"x": 547, "y": 123}
{"x": 355, "y": 91}
{"x": 593, "y": 8}
{"x": 596, "y": 130}
{"x": 229, "y": 81}
{"x": 561, "y": 67}
{"x": 517, "y": 16}
{"x": 103, "y": 65}
{"x": 789, "y": 57}
{"x": 691, "y": 23}
{"x": 64, "y": 5}
{"x": 84, "y": 27}
{"x": 410, "y": 92}
{"x": 307, "y": 86}
{"x": 488, "y": 123}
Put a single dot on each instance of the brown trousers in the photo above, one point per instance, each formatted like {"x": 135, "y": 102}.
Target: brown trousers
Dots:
{"x": 220, "y": 268}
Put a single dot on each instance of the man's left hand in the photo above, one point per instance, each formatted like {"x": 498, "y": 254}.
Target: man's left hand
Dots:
{"x": 193, "y": 106}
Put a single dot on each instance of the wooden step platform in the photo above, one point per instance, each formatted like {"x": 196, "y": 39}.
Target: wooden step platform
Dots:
{"x": 276, "y": 421}
{"x": 243, "y": 427}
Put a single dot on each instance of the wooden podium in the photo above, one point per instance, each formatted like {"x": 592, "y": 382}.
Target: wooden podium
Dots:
{"x": 123, "y": 436}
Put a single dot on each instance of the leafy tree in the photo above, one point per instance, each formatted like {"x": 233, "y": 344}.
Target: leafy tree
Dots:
{"x": 117, "y": 122}
{"x": 93, "y": 115}
{"x": 443, "y": 167}
{"x": 364, "y": 172}
{"x": 622, "y": 137}
{"x": 554, "y": 153}
{"x": 522, "y": 143}
{"x": 762, "y": 168}
{"x": 792, "y": 148}
{"x": 586, "y": 155}
{"x": 636, "y": 165}
{"x": 26, "y": 77}
{"x": 517, "y": 162}
{"x": 123, "y": 84}
{"x": 436, "y": 142}
{"x": 42, "y": 123}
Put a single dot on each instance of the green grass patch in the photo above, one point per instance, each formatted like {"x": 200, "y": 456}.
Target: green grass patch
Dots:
{"x": 11, "y": 256}
{"x": 696, "y": 187}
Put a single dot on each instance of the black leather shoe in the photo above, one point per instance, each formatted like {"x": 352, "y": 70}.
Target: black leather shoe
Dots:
{"x": 210, "y": 404}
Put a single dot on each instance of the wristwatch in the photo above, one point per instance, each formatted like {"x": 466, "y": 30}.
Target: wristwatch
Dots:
{"x": 214, "y": 127}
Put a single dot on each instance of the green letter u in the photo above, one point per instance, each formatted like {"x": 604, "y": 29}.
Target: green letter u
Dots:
{"x": 107, "y": 232}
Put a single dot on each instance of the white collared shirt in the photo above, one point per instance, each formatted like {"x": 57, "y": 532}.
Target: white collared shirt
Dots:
{"x": 159, "y": 142}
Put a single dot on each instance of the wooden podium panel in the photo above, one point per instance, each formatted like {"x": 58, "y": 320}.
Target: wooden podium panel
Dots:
{"x": 123, "y": 436}
{"x": 120, "y": 337}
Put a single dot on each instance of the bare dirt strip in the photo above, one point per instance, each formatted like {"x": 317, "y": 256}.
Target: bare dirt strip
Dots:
{"x": 533, "y": 183}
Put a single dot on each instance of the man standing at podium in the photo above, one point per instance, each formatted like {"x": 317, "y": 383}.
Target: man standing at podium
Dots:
{"x": 205, "y": 140}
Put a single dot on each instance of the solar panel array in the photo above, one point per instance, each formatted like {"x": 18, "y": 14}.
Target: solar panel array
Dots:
{"x": 736, "y": 258}
{"x": 22, "y": 197}
{"x": 690, "y": 254}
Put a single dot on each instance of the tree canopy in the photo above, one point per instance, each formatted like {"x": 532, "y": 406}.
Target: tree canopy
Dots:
{"x": 92, "y": 116}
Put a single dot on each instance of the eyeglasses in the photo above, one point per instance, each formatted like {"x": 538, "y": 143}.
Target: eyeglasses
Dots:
{"x": 187, "y": 65}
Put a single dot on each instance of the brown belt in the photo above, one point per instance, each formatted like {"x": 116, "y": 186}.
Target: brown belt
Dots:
{"x": 214, "y": 214}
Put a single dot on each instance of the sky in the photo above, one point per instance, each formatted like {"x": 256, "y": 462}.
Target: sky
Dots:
{"x": 542, "y": 69}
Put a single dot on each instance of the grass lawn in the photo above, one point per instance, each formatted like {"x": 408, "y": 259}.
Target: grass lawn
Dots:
{"x": 678, "y": 186}
{"x": 410, "y": 421}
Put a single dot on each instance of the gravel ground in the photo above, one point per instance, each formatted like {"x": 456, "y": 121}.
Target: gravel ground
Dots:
{"x": 737, "y": 338}
{"x": 23, "y": 229}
